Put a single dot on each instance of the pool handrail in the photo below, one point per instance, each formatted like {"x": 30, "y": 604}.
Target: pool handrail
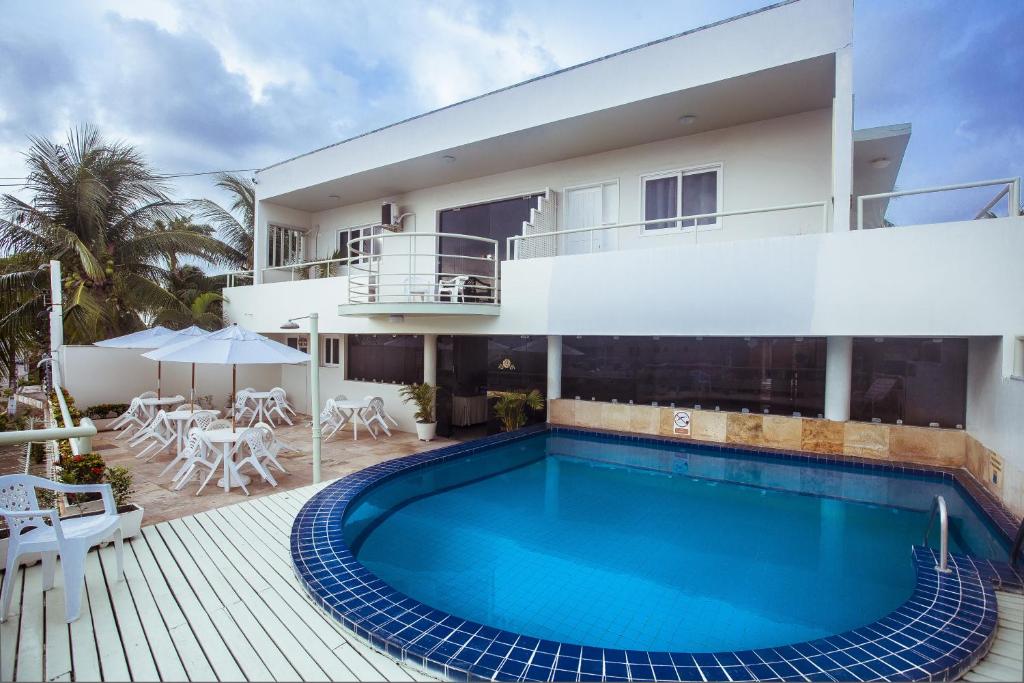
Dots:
{"x": 939, "y": 504}
{"x": 1018, "y": 547}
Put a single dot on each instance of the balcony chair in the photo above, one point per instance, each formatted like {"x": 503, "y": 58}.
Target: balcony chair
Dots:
{"x": 453, "y": 287}
{"x": 33, "y": 530}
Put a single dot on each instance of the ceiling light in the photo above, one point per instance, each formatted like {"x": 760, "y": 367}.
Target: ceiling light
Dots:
{"x": 687, "y": 119}
{"x": 448, "y": 159}
{"x": 334, "y": 196}
{"x": 881, "y": 162}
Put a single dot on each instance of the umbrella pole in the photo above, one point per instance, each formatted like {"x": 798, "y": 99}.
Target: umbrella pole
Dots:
{"x": 192, "y": 390}
{"x": 158, "y": 364}
{"x": 234, "y": 368}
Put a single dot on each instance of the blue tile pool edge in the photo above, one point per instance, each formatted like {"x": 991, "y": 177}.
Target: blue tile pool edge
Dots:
{"x": 940, "y": 632}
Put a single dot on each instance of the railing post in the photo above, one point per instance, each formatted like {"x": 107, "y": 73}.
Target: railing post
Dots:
{"x": 1014, "y": 198}
{"x": 860, "y": 213}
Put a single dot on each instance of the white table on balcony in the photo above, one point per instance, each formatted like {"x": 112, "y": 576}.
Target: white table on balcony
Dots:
{"x": 227, "y": 438}
{"x": 351, "y": 411}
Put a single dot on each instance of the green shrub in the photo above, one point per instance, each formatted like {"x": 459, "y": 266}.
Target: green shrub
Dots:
{"x": 423, "y": 396}
{"x": 511, "y": 407}
{"x": 101, "y": 410}
{"x": 122, "y": 483}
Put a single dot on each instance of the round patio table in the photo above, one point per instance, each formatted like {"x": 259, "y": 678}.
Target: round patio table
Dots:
{"x": 149, "y": 404}
{"x": 261, "y": 398}
{"x": 352, "y": 410}
{"x": 227, "y": 438}
{"x": 181, "y": 418}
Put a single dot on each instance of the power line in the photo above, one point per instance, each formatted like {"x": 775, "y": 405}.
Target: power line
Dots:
{"x": 162, "y": 176}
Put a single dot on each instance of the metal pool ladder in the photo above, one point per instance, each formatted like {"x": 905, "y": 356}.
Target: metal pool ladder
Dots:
{"x": 939, "y": 505}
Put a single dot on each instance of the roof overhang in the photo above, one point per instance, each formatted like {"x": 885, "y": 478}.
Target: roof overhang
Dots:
{"x": 877, "y": 157}
{"x": 761, "y": 65}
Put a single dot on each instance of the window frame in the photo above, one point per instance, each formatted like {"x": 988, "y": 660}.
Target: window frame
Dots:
{"x": 328, "y": 339}
{"x": 363, "y": 230}
{"x": 302, "y": 234}
{"x": 301, "y": 342}
{"x": 719, "y": 169}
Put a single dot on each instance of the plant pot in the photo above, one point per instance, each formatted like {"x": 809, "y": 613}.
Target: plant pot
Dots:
{"x": 425, "y": 430}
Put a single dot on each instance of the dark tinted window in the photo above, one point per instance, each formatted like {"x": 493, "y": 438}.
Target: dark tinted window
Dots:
{"x": 397, "y": 359}
{"x": 919, "y": 381}
{"x": 495, "y": 220}
{"x": 782, "y": 375}
{"x": 516, "y": 363}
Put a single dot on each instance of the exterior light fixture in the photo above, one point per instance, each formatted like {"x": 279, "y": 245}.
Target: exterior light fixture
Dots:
{"x": 290, "y": 325}
{"x": 448, "y": 159}
{"x": 687, "y": 119}
{"x": 881, "y": 162}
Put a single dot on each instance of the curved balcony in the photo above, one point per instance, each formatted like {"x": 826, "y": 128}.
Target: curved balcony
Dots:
{"x": 422, "y": 273}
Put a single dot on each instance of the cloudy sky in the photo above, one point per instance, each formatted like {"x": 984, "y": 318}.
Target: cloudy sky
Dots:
{"x": 201, "y": 85}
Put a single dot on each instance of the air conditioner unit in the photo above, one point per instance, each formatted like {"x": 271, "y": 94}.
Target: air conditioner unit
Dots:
{"x": 390, "y": 217}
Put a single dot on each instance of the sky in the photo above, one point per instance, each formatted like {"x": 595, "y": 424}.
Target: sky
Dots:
{"x": 204, "y": 85}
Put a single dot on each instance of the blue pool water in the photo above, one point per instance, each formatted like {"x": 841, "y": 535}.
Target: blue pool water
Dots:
{"x": 587, "y": 540}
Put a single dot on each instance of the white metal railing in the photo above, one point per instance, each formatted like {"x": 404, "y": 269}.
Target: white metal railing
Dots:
{"x": 939, "y": 507}
{"x": 514, "y": 242}
{"x": 239, "y": 278}
{"x": 312, "y": 270}
{"x": 390, "y": 268}
{"x": 1011, "y": 191}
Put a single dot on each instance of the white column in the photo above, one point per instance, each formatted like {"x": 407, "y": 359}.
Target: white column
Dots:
{"x": 430, "y": 359}
{"x": 314, "y": 390}
{"x": 554, "y": 369}
{"x": 838, "y": 378}
{"x": 56, "y": 321}
{"x": 259, "y": 245}
{"x": 842, "y": 141}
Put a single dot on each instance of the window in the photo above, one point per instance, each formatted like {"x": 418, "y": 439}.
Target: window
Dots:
{"x": 681, "y": 193}
{"x": 497, "y": 220}
{"x": 344, "y": 250}
{"x": 285, "y": 246}
{"x": 299, "y": 343}
{"x": 332, "y": 351}
{"x": 391, "y": 358}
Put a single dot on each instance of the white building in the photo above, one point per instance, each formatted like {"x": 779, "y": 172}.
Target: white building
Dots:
{"x": 448, "y": 247}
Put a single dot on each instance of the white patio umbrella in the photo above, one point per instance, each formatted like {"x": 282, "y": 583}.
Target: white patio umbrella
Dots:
{"x": 232, "y": 346}
{"x": 153, "y": 338}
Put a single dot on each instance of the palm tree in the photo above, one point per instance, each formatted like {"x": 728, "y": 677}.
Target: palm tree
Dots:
{"x": 198, "y": 295}
{"x": 234, "y": 231}
{"x": 94, "y": 207}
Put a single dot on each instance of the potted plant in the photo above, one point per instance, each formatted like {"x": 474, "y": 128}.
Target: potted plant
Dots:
{"x": 89, "y": 468}
{"x": 122, "y": 484}
{"x": 511, "y": 407}
{"x": 423, "y": 396}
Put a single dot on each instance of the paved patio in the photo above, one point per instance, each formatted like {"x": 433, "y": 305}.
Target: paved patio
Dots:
{"x": 340, "y": 455}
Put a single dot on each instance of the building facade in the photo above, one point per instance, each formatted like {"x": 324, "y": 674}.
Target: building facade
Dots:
{"x": 689, "y": 224}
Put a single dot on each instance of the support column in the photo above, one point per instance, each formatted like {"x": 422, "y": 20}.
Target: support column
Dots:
{"x": 430, "y": 359}
{"x": 259, "y": 245}
{"x": 842, "y": 141}
{"x": 56, "y": 322}
{"x": 838, "y": 378}
{"x": 554, "y": 369}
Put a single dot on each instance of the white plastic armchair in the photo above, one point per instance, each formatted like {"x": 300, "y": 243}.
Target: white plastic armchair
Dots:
{"x": 374, "y": 415}
{"x": 452, "y": 287}
{"x": 249, "y": 450}
{"x": 331, "y": 418}
{"x": 43, "y": 531}
{"x": 278, "y": 405}
{"x": 287, "y": 403}
{"x": 133, "y": 418}
{"x": 273, "y": 446}
{"x": 382, "y": 410}
{"x": 160, "y": 434}
{"x": 243, "y": 406}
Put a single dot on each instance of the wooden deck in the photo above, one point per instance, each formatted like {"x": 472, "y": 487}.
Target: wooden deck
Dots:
{"x": 210, "y": 597}
{"x": 1005, "y": 661}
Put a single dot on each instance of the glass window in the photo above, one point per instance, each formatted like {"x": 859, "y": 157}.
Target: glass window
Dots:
{"x": 344, "y": 250}
{"x": 395, "y": 359}
{"x": 494, "y": 220}
{"x": 517, "y": 363}
{"x": 918, "y": 381}
{"x": 332, "y": 351}
{"x": 285, "y": 246}
{"x": 780, "y": 375}
{"x": 681, "y": 193}
{"x": 300, "y": 343}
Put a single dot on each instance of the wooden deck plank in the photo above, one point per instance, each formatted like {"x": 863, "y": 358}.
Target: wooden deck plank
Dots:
{"x": 156, "y": 601}
{"x": 232, "y": 625}
{"x": 57, "y": 657}
{"x": 85, "y": 655}
{"x": 30, "y": 645}
{"x": 137, "y": 650}
{"x": 9, "y": 630}
{"x": 200, "y": 621}
{"x": 113, "y": 659}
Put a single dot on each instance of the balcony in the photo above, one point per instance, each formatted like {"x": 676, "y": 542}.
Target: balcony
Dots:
{"x": 422, "y": 273}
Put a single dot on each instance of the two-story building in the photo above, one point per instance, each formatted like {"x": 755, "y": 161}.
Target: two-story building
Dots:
{"x": 691, "y": 223}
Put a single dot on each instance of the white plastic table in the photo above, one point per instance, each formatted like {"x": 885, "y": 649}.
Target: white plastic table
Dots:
{"x": 352, "y": 410}
{"x": 181, "y": 418}
{"x": 153, "y": 402}
{"x": 261, "y": 398}
{"x": 227, "y": 438}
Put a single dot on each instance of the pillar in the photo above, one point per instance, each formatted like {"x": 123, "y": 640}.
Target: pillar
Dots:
{"x": 430, "y": 359}
{"x": 838, "y": 378}
{"x": 259, "y": 245}
{"x": 56, "y": 322}
{"x": 554, "y": 368}
{"x": 842, "y": 141}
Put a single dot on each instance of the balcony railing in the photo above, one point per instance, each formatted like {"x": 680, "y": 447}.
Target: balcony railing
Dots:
{"x": 693, "y": 225}
{"x": 423, "y": 268}
{"x": 1010, "y": 188}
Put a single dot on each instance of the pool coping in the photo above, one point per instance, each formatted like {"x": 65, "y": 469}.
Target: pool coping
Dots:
{"x": 940, "y": 632}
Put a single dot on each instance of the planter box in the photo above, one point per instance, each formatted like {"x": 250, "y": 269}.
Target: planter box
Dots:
{"x": 131, "y": 525}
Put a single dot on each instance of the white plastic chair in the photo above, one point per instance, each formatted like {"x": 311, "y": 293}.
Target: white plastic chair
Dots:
{"x": 160, "y": 433}
{"x": 272, "y": 446}
{"x": 243, "y": 407}
{"x": 287, "y": 403}
{"x": 194, "y": 448}
{"x": 453, "y": 287}
{"x": 208, "y": 457}
{"x": 278, "y": 404}
{"x": 218, "y": 424}
{"x": 251, "y": 441}
{"x": 69, "y": 538}
{"x": 331, "y": 418}
{"x": 133, "y": 418}
{"x": 374, "y": 415}
{"x": 383, "y": 412}
{"x": 201, "y": 419}
{"x": 147, "y": 394}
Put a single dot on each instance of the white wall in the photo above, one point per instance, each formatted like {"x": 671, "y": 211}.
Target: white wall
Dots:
{"x": 950, "y": 279}
{"x": 786, "y": 160}
{"x": 95, "y": 375}
{"x": 995, "y": 412}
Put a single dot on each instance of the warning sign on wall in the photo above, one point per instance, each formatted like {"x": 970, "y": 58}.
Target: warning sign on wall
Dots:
{"x": 681, "y": 423}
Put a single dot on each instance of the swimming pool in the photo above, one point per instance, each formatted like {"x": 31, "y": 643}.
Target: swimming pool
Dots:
{"x": 568, "y": 537}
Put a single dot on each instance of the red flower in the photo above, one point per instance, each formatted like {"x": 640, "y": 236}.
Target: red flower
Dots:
{"x": 77, "y": 458}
